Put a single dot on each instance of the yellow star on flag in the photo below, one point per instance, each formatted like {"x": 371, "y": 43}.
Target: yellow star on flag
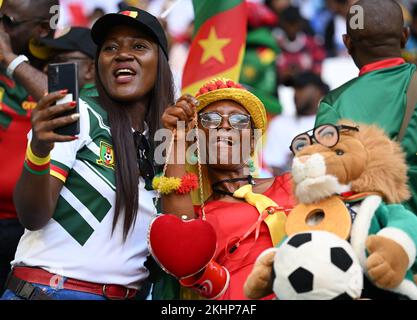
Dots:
{"x": 213, "y": 47}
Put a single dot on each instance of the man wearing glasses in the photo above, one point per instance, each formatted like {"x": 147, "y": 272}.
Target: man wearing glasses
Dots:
{"x": 22, "y": 24}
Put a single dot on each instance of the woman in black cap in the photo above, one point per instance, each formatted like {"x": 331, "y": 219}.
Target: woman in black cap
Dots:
{"x": 84, "y": 200}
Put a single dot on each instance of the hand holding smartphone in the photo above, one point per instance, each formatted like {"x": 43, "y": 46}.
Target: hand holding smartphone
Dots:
{"x": 63, "y": 76}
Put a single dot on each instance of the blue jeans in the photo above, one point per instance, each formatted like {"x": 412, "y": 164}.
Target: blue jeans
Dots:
{"x": 56, "y": 294}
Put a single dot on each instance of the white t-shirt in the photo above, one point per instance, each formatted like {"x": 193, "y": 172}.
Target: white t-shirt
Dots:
{"x": 78, "y": 242}
{"x": 281, "y": 131}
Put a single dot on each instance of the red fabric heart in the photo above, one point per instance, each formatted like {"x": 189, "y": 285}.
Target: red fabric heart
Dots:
{"x": 182, "y": 248}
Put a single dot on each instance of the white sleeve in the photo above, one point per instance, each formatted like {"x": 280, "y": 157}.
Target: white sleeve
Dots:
{"x": 275, "y": 153}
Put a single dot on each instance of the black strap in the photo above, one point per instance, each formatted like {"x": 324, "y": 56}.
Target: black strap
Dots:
{"x": 145, "y": 158}
{"x": 25, "y": 290}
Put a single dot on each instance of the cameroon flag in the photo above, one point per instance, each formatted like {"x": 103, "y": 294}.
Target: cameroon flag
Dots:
{"x": 219, "y": 41}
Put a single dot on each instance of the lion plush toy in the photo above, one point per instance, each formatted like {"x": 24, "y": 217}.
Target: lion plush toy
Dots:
{"x": 350, "y": 180}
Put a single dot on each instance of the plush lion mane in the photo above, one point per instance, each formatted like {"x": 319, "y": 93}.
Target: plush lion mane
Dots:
{"x": 385, "y": 170}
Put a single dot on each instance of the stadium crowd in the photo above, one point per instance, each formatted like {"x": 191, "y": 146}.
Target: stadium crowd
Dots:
{"x": 58, "y": 226}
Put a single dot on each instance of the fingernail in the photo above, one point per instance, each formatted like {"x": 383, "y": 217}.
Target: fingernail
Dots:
{"x": 75, "y": 116}
{"x": 45, "y": 94}
{"x": 73, "y": 104}
{"x": 74, "y": 137}
{"x": 65, "y": 91}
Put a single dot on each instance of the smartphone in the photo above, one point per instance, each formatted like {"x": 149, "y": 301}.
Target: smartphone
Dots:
{"x": 65, "y": 76}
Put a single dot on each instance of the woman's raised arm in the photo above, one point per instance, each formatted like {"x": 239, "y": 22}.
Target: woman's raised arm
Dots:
{"x": 183, "y": 110}
{"x": 36, "y": 192}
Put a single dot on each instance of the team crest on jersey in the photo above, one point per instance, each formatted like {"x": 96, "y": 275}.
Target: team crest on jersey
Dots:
{"x": 106, "y": 155}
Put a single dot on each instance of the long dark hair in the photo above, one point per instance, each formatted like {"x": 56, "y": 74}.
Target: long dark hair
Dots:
{"x": 126, "y": 165}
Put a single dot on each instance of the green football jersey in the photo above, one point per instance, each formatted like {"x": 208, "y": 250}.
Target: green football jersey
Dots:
{"x": 378, "y": 97}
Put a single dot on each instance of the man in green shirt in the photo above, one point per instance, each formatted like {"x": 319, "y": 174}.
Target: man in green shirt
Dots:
{"x": 259, "y": 70}
{"x": 378, "y": 94}
{"x": 23, "y": 23}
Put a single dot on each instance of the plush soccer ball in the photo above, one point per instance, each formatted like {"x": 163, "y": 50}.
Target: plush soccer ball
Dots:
{"x": 316, "y": 265}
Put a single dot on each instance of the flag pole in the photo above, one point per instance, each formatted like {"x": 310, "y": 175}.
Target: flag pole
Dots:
{"x": 167, "y": 11}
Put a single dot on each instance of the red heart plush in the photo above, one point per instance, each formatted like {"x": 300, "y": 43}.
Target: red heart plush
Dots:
{"x": 182, "y": 248}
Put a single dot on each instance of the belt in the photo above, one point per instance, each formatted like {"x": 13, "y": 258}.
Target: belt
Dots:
{"x": 40, "y": 276}
{"x": 24, "y": 289}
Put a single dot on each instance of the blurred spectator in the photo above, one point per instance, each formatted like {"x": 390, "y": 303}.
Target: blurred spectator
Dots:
{"x": 78, "y": 12}
{"x": 21, "y": 85}
{"x": 179, "y": 46}
{"x": 410, "y": 53}
{"x": 278, "y": 5}
{"x": 76, "y": 46}
{"x": 95, "y": 15}
{"x": 309, "y": 89}
{"x": 300, "y": 51}
{"x": 142, "y": 4}
{"x": 259, "y": 73}
{"x": 320, "y": 20}
{"x": 260, "y": 15}
{"x": 309, "y": 8}
{"x": 336, "y": 27}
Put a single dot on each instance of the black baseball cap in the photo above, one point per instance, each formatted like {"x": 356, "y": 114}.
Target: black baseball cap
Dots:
{"x": 134, "y": 17}
{"x": 291, "y": 14}
{"x": 73, "y": 39}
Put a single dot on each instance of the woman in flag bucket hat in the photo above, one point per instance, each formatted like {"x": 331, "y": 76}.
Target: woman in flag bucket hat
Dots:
{"x": 233, "y": 200}
{"x": 85, "y": 200}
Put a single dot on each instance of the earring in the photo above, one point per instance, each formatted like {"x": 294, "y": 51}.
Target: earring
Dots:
{"x": 194, "y": 158}
{"x": 251, "y": 165}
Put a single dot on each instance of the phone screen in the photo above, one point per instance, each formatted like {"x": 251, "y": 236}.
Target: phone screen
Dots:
{"x": 63, "y": 76}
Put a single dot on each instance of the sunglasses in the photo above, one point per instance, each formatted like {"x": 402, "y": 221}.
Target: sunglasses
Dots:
{"x": 144, "y": 157}
{"x": 11, "y": 23}
{"x": 327, "y": 135}
{"x": 212, "y": 120}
